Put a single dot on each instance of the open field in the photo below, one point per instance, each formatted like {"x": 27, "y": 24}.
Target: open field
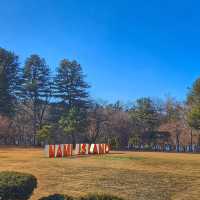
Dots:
{"x": 132, "y": 175}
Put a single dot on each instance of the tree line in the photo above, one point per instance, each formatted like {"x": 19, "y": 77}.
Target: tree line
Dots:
{"x": 39, "y": 107}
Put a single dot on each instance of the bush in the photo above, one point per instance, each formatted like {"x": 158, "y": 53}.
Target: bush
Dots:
{"x": 16, "y": 186}
{"x": 57, "y": 197}
{"x": 100, "y": 197}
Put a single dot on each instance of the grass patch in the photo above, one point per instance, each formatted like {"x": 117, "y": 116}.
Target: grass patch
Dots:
{"x": 120, "y": 158}
{"x": 131, "y": 175}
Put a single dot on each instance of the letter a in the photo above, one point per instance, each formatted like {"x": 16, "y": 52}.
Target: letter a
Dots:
{"x": 59, "y": 151}
{"x": 95, "y": 151}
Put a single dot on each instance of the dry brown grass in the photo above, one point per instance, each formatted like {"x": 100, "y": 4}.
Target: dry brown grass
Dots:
{"x": 132, "y": 175}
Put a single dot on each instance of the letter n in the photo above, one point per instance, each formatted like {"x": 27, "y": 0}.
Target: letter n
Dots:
{"x": 51, "y": 151}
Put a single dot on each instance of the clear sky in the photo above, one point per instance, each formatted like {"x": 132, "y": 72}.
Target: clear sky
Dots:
{"x": 128, "y": 49}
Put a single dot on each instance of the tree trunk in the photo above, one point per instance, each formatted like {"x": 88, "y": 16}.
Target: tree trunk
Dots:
{"x": 73, "y": 140}
{"x": 34, "y": 122}
{"x": 177, "y": 142}
{"x": 191, "y": 140}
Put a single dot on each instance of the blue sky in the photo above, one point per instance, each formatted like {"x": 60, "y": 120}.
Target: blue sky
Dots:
{"x": 128, "y": 49}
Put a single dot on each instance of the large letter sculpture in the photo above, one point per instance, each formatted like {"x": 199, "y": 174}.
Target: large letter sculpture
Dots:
{"x": 65, "y": 150}
{"x": 58, "y": 150}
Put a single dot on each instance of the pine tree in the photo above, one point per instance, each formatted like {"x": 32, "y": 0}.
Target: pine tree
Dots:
{"x": 145, "y": 114}
{"x": 36, "y": 89}
{"x": 70, "y": 87}
{"x": 9, "y": 80}
{"x": 70, "y": 90}
{"x": 193, "y": 101}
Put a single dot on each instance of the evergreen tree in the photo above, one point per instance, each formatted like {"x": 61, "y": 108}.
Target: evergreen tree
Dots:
{"x": 9, "y": 80}
{"x": 36, "y": 89}
{"x": 70, "y": 87}
{"x": 72, "y": 123}
{"x": 193, "y": 101}
{"x": 193, "y": 98}
{"x": 145, "y": 114}
{"x": 145, "y": 118}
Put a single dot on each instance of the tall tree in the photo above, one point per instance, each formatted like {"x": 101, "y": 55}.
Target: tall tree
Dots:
{"x": 70, "y": 87}
{"x": 193, "y": 98}
{"x": 36, "y": 89}
{"x": 97, "y": 122}
{"x": 145, "y": 114}
{"x": 193, "y": 101}
{"x": 9, "y": 81}
{"x": 146, "y": 117}
{"x": 173, "y": 120}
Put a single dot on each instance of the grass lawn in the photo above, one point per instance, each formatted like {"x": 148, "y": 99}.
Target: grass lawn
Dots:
{"x": 132, "y": 175}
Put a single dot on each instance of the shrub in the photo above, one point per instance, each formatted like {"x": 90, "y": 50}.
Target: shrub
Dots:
{"x": 100, "y": 197}
{"x": 57, "y": 197}
{"x": 16, "y": 186}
